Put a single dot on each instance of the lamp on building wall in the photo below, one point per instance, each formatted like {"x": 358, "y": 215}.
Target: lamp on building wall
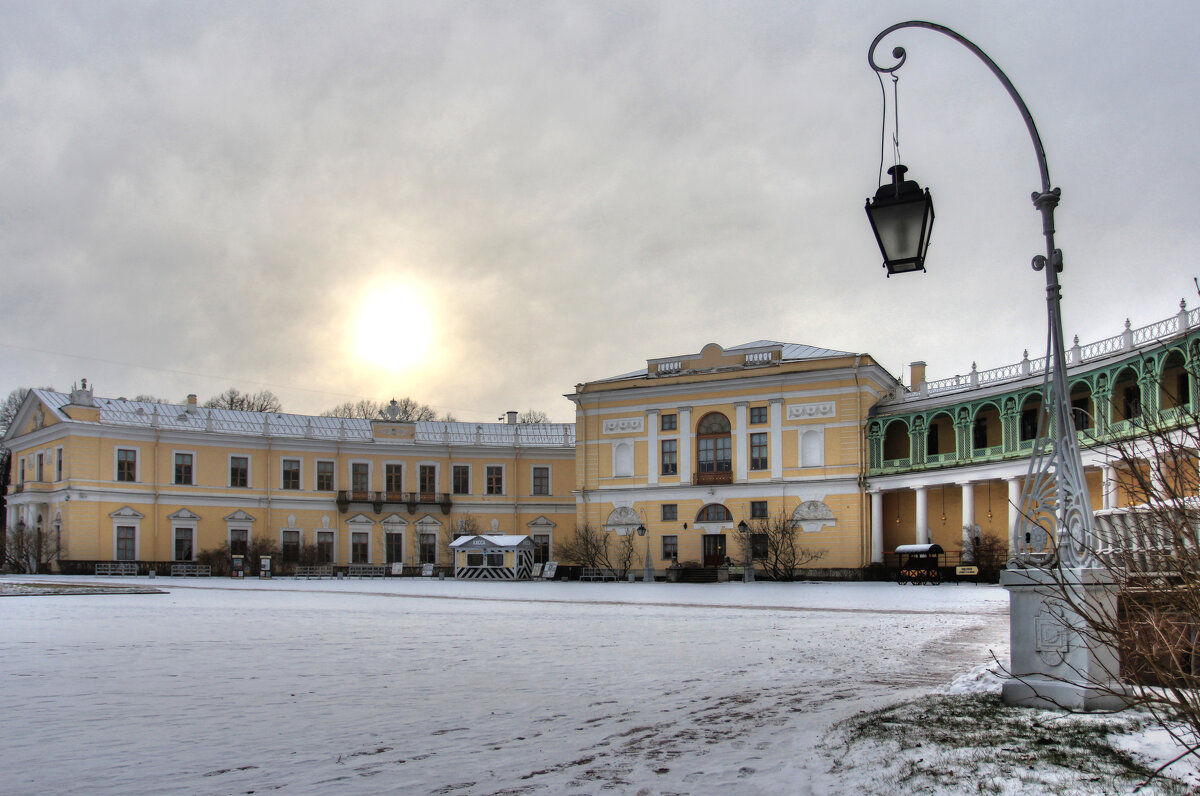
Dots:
{"x": 1054, "y": 515}
{"x": 647, "y": 568}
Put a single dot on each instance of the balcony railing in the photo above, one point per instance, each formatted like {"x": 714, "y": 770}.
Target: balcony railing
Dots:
{"x": 705, "y": 479}
{"x": 379, "y": 500}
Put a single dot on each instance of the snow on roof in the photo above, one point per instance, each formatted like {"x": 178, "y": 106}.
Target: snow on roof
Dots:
{"x": 176, "y": 417}
{"x": 505, "y": 540}
{"x": 789, "y": 352}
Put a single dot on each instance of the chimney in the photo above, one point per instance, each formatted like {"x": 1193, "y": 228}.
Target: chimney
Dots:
{"x": 512, "y": 417}
{"x": 191, "y": 404}
{"x": 916, "y": 377}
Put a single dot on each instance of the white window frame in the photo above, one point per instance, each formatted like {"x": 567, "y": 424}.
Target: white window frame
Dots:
{"x": 195, "y": 462}
{"x": 393, "y": 463}
{"x": 316, "y": 474}
{"x": 299, "y": 476}
{"x": 249, "y": 469}
{"x": 533, "y": 480}
{"x": 396, "y": 524}
{"x": 359, "y": 524}
{"x": 282, "y": 531}
{"x": 503, "y": 481}
{"x": 333, "y": 556}
{"x": 437, "y": 476}
{"x": 350, "y": 473}
{"x": 128, "y": 521}
{"x": 470, "y": 478}
{"x": 178, "y": 526}
{"x": 21, "y": 470}
{"x": 137, "y": 463}
{"x": 59, "y": 467}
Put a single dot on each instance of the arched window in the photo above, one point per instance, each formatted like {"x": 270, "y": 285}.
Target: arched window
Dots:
{"x": 714, "y": 449}
{"x": 714, "y": 512}
{"x": 896, "y": 441}
{"x": 1174, "y": 386}
{"x": 1126, "y": 396}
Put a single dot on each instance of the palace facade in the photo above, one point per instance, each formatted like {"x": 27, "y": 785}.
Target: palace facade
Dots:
{"x": 685, "y": 448}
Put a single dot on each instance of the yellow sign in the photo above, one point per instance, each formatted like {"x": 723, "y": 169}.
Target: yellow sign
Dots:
{"x": 967, "y": 570}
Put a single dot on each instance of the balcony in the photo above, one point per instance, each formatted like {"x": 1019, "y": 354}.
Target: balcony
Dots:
{"x": 380, "y": 500}
{"x": 706, "y": 479}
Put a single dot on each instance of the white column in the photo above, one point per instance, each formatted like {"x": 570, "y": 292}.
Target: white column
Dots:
{"x": 740, "y": 439}
{"x": 776, "y": 405}
{"x": 685, "y": 445}
{"x": 1014, "y": 510}
{"x": 652, "y": 464}
{"x": 1111, "y": 495}
{"x": 968, "y": 513}
{"x": 876, "y": 527}
{"x": 922, "y": 535}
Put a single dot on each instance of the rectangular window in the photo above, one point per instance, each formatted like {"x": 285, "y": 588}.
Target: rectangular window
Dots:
{"x": 239, "y": 542}
{"x": 931, "y": 441}
{"x": 670, "y": 512}
{"x": 358, "y": 548}
{"x": 758, "y": 545}
{"x": 495, "y": 480}
{"x": 670, "y": 456}
{"x": 427, "y": 477}
{"x": 58, "y": 464}
{"x": 183, "y": 544}
{"x": 758, "y": 415}
{"x": 428, "y": 548}
{"x": 21, "y": 470}
{"x": 126, "y": 465}
{"x": 541, "y": 550}
{"x": 394, "y": 547}
{"x": 126, "y": 543}
{"x": 462, "y": 479}
{"x": 41, "y": 464}
{"x": 289, "y": 549}
{"x": 979, "y": 433}
{"x": 714, "y": 454}
{"x": 668, "y": 422}
{"x": 670, "y": 547}
{"x": 541, "y": 480}
{"x": 239, "y": 471}
{"x": 324, "y": 547}
{"x": 758, "y": 509}
{"x": 360, "y": 475}
{"x": 393, "y": 478}
{"x": 758, "y": 451}
{"x": 291, "y": 474}
{"x": 324, "y": 476}
{"x": 474, "y": 558}
{"x": 183, "y": 468}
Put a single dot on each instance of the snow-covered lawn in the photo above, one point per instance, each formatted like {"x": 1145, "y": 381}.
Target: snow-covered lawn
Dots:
{"x": 425, "y": 686}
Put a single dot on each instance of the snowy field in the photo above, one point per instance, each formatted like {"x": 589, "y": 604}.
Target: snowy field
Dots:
{"x": 424, "y": 686}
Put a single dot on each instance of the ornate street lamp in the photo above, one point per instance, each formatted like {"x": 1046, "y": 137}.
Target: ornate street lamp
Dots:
{"x": 744, "y": 530}
{"x": 647, "y": 568}
{"x": 1054, "y": 522}
{"x": 901, "y": 216}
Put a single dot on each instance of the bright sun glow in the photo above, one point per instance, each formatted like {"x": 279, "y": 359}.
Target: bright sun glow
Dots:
{"x": 394, "y": 328}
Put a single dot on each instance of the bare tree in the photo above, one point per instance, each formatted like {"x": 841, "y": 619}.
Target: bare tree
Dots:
{"x": 233, "y": 398}
{"x": 1149, "y": 551}
{"x": 8, "y": 413}
{"x": 407, "y": 410}
{"x": 31, "y": 550}
{"x": 533, "y": 416}
{"x": 147, "y": 398}
{"x": 986, "y": 551}
{"x": 774, "y": 543}
{"x": 599, "y": 549}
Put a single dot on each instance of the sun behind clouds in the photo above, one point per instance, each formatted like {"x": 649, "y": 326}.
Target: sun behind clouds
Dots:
{"x": 393, "y": 328}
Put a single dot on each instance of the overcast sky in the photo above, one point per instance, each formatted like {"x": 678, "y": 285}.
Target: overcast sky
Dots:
{"x": 202, "y": 195}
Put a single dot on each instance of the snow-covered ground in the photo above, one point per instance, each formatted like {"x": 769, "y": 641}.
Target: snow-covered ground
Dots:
{"x": 425, "y": 686}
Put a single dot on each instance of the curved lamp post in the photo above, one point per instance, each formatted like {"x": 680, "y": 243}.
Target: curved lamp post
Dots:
{"x": 1055, "y": 516}
{"x": 647, "y": 569}
{"x": 1053, "y": 663}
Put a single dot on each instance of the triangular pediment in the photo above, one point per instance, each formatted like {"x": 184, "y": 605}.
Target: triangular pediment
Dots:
{"x": 239, "y": 516}
{"x": 126, "y": 513}
{"x": 360, "y": 519}
{"x": 183, "y": 514}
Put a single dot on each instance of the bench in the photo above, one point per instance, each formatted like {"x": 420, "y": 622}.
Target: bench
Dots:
{"x": 191, "y": 570}
{"x": 324, "y": 571}
{"x": 367, "y": 571}
{"x": 129, "y": 568}
{"x": 594, "y": 573}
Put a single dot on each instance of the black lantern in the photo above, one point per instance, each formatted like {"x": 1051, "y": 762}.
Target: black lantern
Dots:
{"x": 743, "y": 527}
{"x": 641, "y": 530}
{"x": 901, "y": 215}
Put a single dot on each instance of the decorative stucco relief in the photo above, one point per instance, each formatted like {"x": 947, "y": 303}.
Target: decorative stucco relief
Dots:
{"x": 822, "y": 410}
{"x": 625, "y": 425}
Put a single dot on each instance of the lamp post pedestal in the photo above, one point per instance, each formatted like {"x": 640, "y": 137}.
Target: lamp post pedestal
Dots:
{"x": 1055, "y": 660}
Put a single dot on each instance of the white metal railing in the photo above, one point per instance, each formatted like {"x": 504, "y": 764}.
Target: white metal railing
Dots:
{"x": 1076, "y": 355}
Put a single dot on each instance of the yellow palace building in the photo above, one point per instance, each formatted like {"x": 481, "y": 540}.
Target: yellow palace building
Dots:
{"x": 120, "y": 480}
{"x": 682, "y": 450}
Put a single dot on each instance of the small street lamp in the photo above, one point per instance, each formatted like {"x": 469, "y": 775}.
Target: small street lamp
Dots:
{"x": 647, "y": 568}
{"x": 744, "y": 530}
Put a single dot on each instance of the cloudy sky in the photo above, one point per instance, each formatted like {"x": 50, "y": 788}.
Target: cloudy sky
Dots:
{"x": 479, "y": 205}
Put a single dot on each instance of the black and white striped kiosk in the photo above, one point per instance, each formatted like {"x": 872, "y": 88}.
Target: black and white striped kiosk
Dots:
{"x": 493, "y": 557}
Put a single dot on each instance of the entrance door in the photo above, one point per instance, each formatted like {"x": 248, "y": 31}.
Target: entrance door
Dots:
{"x": 714, "y": 549}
